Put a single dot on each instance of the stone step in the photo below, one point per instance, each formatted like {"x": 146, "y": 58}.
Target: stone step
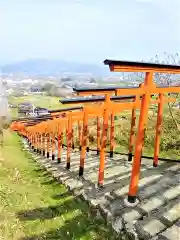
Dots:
{"x": 172, "y": 233}
{"x": 171, "y": 215}
{"x": 165, "y": 217}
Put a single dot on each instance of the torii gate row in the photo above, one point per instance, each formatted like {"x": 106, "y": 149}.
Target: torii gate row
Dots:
{"x": 96, "y": 99}
{"x": 86, "y": 100}
{"x": 110, "y": 90}
{"x": 103, "y": 110}
{"x": 50, "y": 114}
{"x": 77, "y": 116}
{"x": 107, "y": 108}
{"x": 146, "y": 89}
{"x": 73, "y": 116}
{"x": 17, "y": 122}
{"x": 52, "y": 126}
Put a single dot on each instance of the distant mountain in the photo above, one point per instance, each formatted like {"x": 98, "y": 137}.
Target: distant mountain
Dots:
{"x": 45, "y": 67}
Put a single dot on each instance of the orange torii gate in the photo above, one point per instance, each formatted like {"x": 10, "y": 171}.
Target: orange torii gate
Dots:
{"x": 98, "y": 99}
{"x": 112, "y": 91}
{"x": 57, "y": 114}
{"x": 50, "y": 127}
{"x": 146, "y": 90}
{"x": 110, "y": 107}
{"x": 105, "y": 110}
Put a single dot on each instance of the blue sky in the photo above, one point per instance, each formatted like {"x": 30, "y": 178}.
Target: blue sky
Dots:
{"x": 88, "y": 30}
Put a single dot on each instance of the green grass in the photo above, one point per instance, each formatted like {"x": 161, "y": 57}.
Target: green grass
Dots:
{"x": 170, "y": 139}
{"x": 38, "y": 100}
{"x": 35, "y": 206}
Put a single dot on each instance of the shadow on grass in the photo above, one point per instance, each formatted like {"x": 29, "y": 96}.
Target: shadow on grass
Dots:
{"x": 81, "y": 222}
{"x": 50, "y": 181}
{"x": 76, "y": 219}
{"x": 49, "y": 212}
{"x": 77, "y": 228}
{"x": 60, "y": 195}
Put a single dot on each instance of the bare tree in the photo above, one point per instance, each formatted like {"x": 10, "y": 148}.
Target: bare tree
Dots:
{"x": 168, "y": 79}
{"x": 164, "y": 79}
{"x": 4, "y": 113}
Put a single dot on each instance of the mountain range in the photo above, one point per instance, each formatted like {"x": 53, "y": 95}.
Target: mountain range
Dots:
{"x": 43, "y": 67}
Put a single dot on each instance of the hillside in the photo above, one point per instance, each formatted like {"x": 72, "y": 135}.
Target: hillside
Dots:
{"x": 35, "y": 206}
{"x": 45, "y": 67}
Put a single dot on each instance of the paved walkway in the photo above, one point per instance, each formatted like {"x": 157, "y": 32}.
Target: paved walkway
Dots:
{"x": 157, "y": 216}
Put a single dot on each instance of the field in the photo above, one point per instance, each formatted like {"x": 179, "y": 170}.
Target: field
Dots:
{"x": 38, "y": 100}
{"x": 35, "y": 206}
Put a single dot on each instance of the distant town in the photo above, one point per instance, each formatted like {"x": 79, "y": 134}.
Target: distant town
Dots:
{"x": 58, "y": 78}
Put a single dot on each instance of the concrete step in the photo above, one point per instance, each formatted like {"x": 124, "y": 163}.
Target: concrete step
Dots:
{"x": 172, "y": 233}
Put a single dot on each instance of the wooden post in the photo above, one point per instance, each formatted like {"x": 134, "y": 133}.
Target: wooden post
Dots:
{"x": 44, "y": 143}
{"x": 98, "y": 135}
{"x": 103, "y": 143}
{"x": 73, "y": 146}
{"x": 79, "y": 134}
{"x": 41, "y": 143}
{"x": 132, "y": 132}
{"x": 87, "y": 144}
{"x": 112, "y": 135}
{"x": 133, "y": 187}
{"x": 64, "y": 136}
{"x": 158, "y": 130}
{"x": 53, "y": 145}
{"x": 35, "y": 142}
{"x": 60, "y": 136}
{"x": 69, "y": 141}
{"x": 83, "y": 143}
{"x": 29, "y": 137}
{"x": 48, "y": 143}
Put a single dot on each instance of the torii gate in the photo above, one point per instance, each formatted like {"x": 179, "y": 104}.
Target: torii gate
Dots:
{"x": 146, "y": 90}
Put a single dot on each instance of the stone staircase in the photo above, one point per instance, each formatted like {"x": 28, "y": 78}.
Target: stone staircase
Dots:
{"x": 157, "y": 215}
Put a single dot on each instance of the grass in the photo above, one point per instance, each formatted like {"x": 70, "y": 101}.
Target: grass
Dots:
{"x": 35, "y": 206}
{"x": 38, "y": 100}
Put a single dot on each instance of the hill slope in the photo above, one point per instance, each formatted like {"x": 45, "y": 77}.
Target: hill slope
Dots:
{"x": 35, "y": 206}
{"x": 52, "y": 67}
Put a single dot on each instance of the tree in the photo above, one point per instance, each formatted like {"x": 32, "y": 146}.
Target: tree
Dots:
{"x": 165, "y": 79}
{"x": 4, "y": 113}
{"x": 47, "y": 87}
{"x": 92, "y": 80}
